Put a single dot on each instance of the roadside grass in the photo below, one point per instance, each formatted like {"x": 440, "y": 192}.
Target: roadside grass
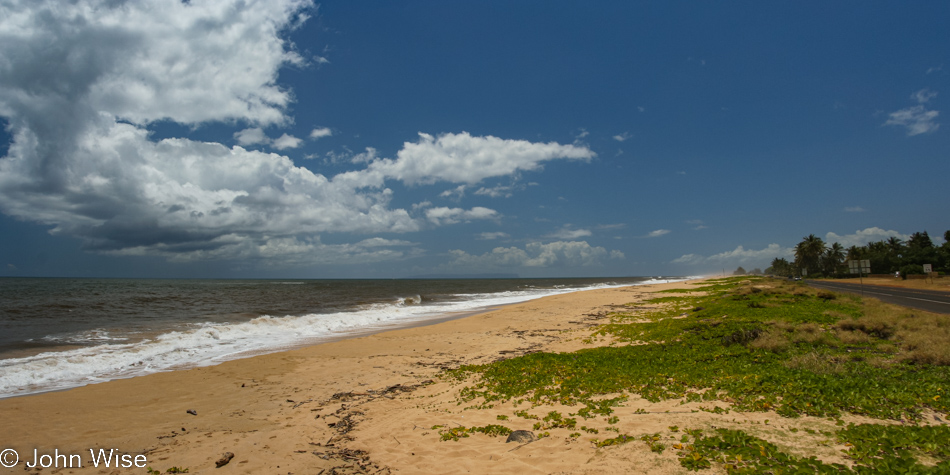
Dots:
{"x": 756, "y": 344}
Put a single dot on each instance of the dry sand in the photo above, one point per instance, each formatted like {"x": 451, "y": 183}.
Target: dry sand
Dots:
{"x": 363, "y": 405}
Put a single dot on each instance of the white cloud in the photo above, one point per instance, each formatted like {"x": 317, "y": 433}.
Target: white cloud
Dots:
{"x": 181, "y": 194}
{"x": 462, "y": 158}
{"x": 286, "y": 251}
{"x": 456, "y": 193}
{"x": 657, "y": 233}
{"x": 256, "y": 135}
{"x": 622, "y": 137}
{"x": 558, "y": 253}
{"x": 443, "y": 215}
{"x": 916, "y": 119}
{"x": 763, "y": 257}
{"x": 188, "y": 62}
{"x": 500, "y": 191}
{"x": 251, "y": 136}
{"x": 854, "y": 209}
{"x": 492, "y": 236}
{"x": 286, "y": 141}
{"x": 380, "y": 242}
{"x": 689, "y": 259}
{"x": 320, "y": 132}
{"x": 864, "y": 236}
{"x": 566, "y": 233}
{"x": 923, "y": 96}
{"x": 739, "y": 256}
{"x": 80, "y": 83}
{"x": 697, "y": 224}
{"x": 368, "y": 156}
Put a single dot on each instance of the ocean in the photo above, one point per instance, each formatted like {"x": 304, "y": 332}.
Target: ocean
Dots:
{"x": 63, "y": 333}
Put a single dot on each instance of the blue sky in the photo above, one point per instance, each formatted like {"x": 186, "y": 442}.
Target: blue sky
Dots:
{"x": 391, "y": 139}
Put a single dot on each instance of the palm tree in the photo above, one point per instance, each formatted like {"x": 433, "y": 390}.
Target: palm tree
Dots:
{"x": 832, "y": 258}
{"x": 895, "y": 245}
{"x": 808, "y": 253}
{"x": 856, "y": 253}
{"x": 781, "y": 267}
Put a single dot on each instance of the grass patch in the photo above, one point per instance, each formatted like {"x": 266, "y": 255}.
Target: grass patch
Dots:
{"x": 758, "y": 343}
{"x": 872, "y": 448}
{"x": 456, "y": 433}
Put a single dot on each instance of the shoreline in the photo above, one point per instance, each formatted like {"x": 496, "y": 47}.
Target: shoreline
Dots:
{"x": 248, "y": 398}
{"x": 368, "y": 331}
{"x": 125, "y": 360}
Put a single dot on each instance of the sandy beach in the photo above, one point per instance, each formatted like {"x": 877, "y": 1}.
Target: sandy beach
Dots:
{"x": 310, "y": 409}
{"x": 372, "y": 404}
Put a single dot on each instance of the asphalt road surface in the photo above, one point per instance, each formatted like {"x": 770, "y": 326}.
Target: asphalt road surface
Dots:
{"x": 929, "y": 300}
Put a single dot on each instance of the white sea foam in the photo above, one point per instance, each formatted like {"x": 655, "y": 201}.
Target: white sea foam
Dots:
{"x": 212, "y": 343}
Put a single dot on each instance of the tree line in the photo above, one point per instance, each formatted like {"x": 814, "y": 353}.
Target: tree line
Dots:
{"x": 815, "y": 258}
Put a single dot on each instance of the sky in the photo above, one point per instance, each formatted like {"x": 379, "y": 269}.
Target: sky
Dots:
{"x": 291, "y": 139}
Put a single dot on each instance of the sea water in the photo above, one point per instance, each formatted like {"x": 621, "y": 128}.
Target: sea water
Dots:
{"x": 63, "y": 333}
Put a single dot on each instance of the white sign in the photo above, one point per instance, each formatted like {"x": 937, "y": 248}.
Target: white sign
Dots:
{"x": 857, "y": 267}
{"x": 928, "y": 268}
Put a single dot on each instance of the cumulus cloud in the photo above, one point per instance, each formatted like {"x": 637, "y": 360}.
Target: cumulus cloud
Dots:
{"x": 81, "y": 82}
{"x": 320, "y": 132}
{"x": 864, "y": 236}
{"x": 188, "y": 62}
{"x": 380, "y": 242}
{"x": 454, "y": 194}
{"x": 368, "y": 156}
{"x": 917, "y": 119}
{"x": 622, "y": 137}
{"x": 499, "y": 191}
{"x": 762, "y": 257}
{"x": 286, "y": 141}
{"x": 256, "y": 135}
{"x": 536, "y": 254}
{"x": 463, "y": 158}
{"x": 443, "y": 215}
{"x": 738, "y": 256}
{"x": 566, "y": 233}
{"x": 492, "y": 236}
{"x": 251, "y": 136}
{"x": 290, "y": 251}
{"x": 657, "y": 233}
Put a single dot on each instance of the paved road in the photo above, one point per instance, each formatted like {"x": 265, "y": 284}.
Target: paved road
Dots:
{"x": 929, "y": 300}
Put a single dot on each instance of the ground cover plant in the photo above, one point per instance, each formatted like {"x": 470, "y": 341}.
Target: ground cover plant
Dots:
{"x": 754, "y": 344}
{"x": 873, "y": 448}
